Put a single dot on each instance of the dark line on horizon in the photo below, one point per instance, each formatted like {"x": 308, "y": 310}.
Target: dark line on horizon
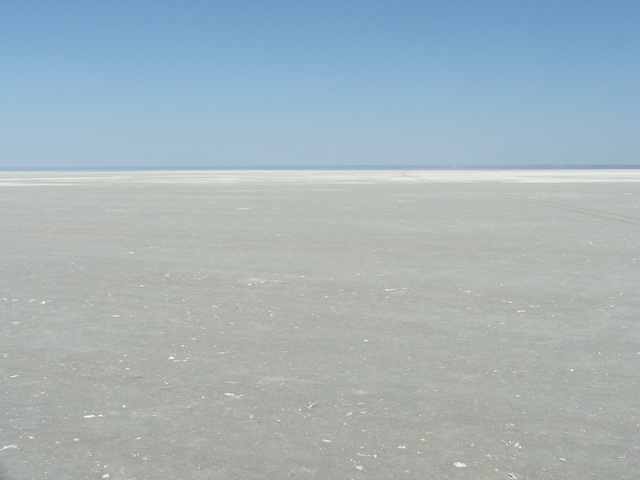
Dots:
{"x": 319, "y": 168}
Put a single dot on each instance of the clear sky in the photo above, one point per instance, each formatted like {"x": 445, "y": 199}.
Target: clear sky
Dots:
{"x": 159, "y": 83}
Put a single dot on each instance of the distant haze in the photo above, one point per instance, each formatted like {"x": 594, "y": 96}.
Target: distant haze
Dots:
{"x": 331, "y": 83}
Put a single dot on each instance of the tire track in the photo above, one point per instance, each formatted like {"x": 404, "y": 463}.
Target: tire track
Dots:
{"x": 618, "y": 217}
{"x": 571, "y": 208}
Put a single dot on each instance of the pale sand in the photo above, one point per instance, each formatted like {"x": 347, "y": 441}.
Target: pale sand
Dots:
{"x": 328, "y": 325}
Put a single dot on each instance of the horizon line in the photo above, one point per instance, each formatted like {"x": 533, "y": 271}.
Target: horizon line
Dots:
{"x": 317, "y": 168}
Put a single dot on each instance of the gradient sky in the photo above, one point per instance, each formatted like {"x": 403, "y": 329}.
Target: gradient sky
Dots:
{"x": 159, "y": 83}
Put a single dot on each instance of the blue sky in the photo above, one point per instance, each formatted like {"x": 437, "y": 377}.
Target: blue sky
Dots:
{"x": 158, "y": 83}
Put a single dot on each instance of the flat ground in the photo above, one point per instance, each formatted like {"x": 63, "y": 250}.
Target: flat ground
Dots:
{"x": 327, "y": 325}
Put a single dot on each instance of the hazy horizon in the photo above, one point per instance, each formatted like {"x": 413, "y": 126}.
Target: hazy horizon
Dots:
{"x": 222, "y": 168}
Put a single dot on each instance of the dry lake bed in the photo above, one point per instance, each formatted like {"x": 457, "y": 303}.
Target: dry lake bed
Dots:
{"x": 320, "y": 325}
